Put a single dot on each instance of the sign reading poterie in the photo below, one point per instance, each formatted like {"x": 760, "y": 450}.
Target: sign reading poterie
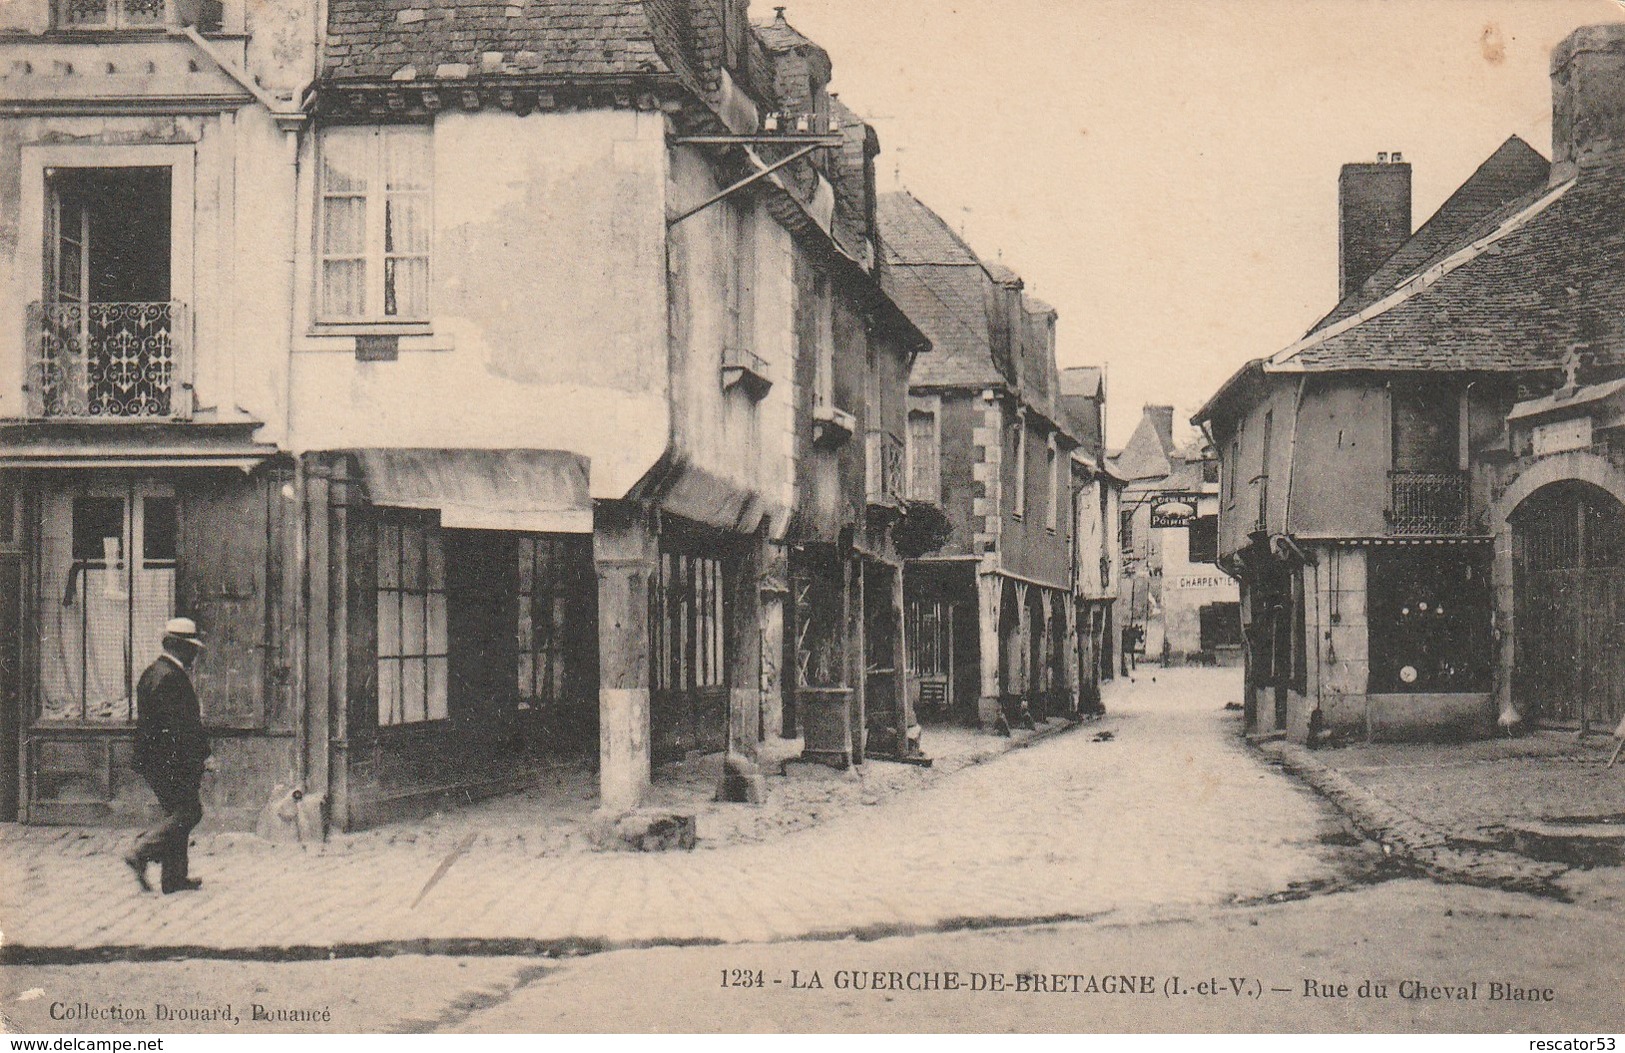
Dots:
{"x": 1173, "y": 509}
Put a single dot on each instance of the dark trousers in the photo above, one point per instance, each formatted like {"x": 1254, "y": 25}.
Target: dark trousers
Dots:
{"x": 165, "y": 843}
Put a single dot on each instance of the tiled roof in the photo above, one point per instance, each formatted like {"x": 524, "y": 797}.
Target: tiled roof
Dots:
{"x": 780, "y": 35}
{"x": 381, "y": 39}
{"x": 1514, "y": 170}
{"x": 1520, "y": 289}
{"x": 914, "y": 234}
{"x": 1081, "y": 380}
{"x": 948, "y": 304}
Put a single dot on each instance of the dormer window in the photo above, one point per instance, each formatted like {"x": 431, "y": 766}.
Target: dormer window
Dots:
{"x": 130, "y": 15}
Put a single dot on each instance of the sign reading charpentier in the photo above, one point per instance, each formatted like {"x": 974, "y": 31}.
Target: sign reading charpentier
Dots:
{"x": 1174, "y": 508}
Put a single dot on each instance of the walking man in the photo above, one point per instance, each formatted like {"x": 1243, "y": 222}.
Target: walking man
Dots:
{"x": 171, "y": 753}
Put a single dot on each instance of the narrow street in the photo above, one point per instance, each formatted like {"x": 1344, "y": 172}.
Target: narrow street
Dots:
{"x": 1166, "y": 849}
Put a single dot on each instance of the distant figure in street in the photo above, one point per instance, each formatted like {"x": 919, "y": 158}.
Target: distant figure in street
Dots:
{"x": 1131, "y": 642}
{"x": 171, "y": 753}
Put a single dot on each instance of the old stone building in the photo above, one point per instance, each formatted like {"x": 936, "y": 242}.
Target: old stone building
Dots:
{"x": 1422, "y": 497}
{"x": 992, "y": 611}
{"x": 483, "y": 402}
{"x": 1175, "y": 601}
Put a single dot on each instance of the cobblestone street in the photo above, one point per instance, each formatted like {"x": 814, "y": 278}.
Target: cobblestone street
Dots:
{"x": 1155, "y": 810}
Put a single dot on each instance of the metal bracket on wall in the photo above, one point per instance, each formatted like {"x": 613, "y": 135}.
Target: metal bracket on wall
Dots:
{"x": 820, "y": 143}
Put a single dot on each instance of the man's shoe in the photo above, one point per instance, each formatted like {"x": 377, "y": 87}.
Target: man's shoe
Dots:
{"x": 139, "y": 867}
{"x": 187, "y": 885}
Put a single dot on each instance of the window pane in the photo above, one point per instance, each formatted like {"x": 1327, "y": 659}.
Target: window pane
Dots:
{"x": 406, "y": 287}
{"x": 345, "y": 157}
{"x": 389, "y": 691}
{"x": 436, "y": 642}
{"x": 344, "y": 226}
{"x": 435, "y": 557}
{"x": 526, "y": 674}
{"x": 413, "y": 622}
{"x": 389, "y": 556}
{"x": 406, "y": 158}
{"x": 526, "y": 550}
{"x": 158, "y": 529}
{"x": 344, "y": 288}
{"x": 389, "y": 624}
{"x": 413, "y": 690}
{"x": 406, "y": 224}
{"x": 95, "y": 521}
{"x": 411, "y": 557}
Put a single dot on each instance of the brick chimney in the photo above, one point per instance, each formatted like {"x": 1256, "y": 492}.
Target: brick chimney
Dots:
{"x": 1588, "y": 98}
{"x": 1373, "y": 217}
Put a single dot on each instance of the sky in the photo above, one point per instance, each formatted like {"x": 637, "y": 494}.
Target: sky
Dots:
{"x": 1164, "y": 172}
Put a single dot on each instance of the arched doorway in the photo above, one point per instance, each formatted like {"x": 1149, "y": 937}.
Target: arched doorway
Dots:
{"x": 1568, "y": 576}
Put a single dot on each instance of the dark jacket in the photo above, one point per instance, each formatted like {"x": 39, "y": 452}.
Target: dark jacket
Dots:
{"x": 170, "y": 744}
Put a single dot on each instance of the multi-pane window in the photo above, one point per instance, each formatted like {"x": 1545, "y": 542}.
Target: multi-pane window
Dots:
{"x": 376, "y": 190}
{"x": 112, "y": 14}
{"x": 411, "y": 623}
{"x": 740, "y": 237}
{"x": 108, "y": 569}
{"x": 550, "y": 591}
{"x": 924, "y": 473}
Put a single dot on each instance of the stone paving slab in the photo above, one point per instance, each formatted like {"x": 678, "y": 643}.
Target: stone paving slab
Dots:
{"x": 1171, "y": 811}
{"x": 1448, "y": 809}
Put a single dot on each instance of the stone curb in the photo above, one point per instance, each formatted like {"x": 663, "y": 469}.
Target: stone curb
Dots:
{"x": 1414, "y": 842}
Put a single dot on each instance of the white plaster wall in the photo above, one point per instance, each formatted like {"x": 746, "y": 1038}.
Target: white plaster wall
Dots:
{"x": 727, "y": 433}
{"x": 548, "y": 300}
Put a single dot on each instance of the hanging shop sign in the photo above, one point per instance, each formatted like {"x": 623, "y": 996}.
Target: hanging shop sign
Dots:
{"x": 1173, "y": 509}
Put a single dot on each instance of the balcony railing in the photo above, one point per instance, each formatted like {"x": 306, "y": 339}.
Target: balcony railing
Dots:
{"x": 136, "y": 14}
{"x": 108, "y": 361}
{"x": 1427, "y": 503}
{"x": 885, "y": 471}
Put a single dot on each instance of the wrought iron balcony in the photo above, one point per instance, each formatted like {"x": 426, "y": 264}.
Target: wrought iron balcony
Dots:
{"x": 129, "y": 15}
{"x": 1427, "y": 503}
{"x": 885, "y": 471}
{"x": 108, "y": 361}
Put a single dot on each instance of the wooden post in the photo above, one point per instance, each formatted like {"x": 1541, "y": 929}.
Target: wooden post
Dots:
{"x": 773, "y": 581}
{"x": 627, "y": 555}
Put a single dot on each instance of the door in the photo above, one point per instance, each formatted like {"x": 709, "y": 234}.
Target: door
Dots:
{"x": 689, "y": 702}
{"x": 1569, "y": 613}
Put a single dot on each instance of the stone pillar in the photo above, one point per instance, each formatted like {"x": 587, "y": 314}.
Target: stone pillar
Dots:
{"x": 1071, "y": 667}
{"x": 990, "y": 601}
{"x": 741, "y": 767}
{"x": 627, "y": 555}
{"x": 774, "y": 583}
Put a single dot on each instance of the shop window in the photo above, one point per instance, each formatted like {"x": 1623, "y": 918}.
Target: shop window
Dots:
{"x": 1429, "y": 620}
{"x": 411, "y": 623}
{"x": 108, "y": 573}
{"x": 1203, "y": 533}
{"x": 552, "y": 588}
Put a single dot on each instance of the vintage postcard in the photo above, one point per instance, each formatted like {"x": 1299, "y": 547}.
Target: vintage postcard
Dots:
{"x": 581, "y": 516}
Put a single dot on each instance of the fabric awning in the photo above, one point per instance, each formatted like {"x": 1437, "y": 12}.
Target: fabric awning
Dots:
{"x": 538, "y": 491}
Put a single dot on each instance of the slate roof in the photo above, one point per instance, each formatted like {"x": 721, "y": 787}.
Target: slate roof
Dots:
{"x": 948, "y": 304}
{"x": 1513, "y": 171}
{"x": 376, "y": 39}
{"x": 1514, "y": 292}
{"x": 1082, "y": 380}
{"x": 915, "y": 234}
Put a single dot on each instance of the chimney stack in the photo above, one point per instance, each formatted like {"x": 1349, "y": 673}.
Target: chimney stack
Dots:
{"x": 1373, "y": 217}
{"x": 1588, "y": 98}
